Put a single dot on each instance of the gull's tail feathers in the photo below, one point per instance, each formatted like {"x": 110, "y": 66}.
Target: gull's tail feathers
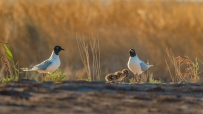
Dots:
{"x": 148, "y": 64}
{"x": 151, "y": 65}
{"x": 29, "y": 69}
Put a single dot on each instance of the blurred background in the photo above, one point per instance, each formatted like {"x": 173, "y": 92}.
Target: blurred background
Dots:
{"x": 33, "y": 27}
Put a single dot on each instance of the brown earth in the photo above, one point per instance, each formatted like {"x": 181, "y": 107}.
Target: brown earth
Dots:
{"x": 34, "y": 27}
{"x": 99, "y": 97}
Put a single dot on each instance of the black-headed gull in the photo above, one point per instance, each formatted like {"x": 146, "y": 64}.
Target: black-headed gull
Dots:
{"x": 49, "y": 65}
{"x": 136, "y": 65}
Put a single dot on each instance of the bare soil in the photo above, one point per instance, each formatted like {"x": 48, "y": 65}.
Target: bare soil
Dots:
{"x": 99, "y": 97}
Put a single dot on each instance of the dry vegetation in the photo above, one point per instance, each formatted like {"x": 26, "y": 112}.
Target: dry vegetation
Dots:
{"x": 184, "y": 68}
{"x": 34, "y": 27}
{"x": 92, "y": 67}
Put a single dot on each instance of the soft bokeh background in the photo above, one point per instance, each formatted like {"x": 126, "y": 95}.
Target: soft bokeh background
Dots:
{"x": 33, "y": 27}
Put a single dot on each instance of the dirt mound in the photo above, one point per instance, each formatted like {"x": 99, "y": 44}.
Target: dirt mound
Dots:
{"x": 98, "y": 97}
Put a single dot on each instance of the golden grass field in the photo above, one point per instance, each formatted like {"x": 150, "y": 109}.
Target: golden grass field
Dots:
{"x": 33, "y": 27}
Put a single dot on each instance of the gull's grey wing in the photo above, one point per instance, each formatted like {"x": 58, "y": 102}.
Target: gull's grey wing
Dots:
{"x": 44, "y": 65}
{"x": 144, "y": 66}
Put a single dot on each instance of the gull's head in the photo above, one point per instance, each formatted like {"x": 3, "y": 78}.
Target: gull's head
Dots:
{"x": 57, "y": 49}
{"x": 132, "y": 52}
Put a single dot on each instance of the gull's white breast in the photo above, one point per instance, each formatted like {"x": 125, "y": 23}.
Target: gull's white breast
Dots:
{"x": 56, "y": 63}
{"x": 134, "y": 65}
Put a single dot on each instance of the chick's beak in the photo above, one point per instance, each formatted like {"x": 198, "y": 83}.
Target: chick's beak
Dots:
{"x": 62, "y": 49}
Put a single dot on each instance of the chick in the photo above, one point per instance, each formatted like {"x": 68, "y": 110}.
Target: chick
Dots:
{"x": 117, "y": 76}
{"x": 110, "y": 77}
{"x": 120, "y": 75}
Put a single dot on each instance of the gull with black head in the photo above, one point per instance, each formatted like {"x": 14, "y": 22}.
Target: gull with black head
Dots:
{"x": 136, "y": 65}
{"x": 49, "y": 65}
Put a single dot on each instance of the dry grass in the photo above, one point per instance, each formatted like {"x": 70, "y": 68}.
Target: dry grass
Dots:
{"x": 191, "y": 69}
{"x": 6, "y": 70}
{"x": 9, "y": 70}
{"x": 34, "y": 27}
{"x": 93, "y": 70}
{"x": 96, "y": 68}
{"x": 84, "y": 54}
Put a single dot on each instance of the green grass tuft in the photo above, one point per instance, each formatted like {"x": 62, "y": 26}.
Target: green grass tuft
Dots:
{"x": 131, "y": 80}
{"x": 84, "y": 79}
{"x": 10, "y": 69}
{"x": 11, "y": 79}
{"x": 57, "y": 76}
{"x": 152, "y": 80}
